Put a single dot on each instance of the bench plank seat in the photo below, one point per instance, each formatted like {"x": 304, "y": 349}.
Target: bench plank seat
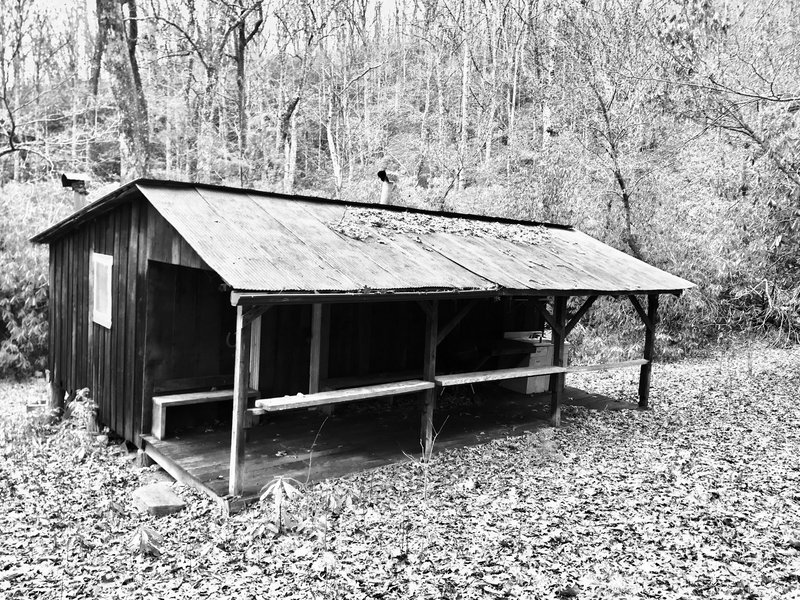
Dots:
{"x": 496, "y": 375}
{"x": 160, "y": 404}
{"x": 346, "y": 395}
{"x": 607, "y": 366}
{"x": 197, "y": 397}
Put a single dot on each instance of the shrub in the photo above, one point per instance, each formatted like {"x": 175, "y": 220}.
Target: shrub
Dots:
{"x": 25, "y": 209}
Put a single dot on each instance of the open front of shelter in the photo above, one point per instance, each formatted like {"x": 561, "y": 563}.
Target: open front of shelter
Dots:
{"x": 170, "y": 299}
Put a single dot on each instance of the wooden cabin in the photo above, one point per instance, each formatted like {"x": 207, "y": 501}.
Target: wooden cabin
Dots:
{"x": 167, "y": 297}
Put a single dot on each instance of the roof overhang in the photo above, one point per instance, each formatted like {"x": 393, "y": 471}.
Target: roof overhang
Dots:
{"x": 247, "y": 299}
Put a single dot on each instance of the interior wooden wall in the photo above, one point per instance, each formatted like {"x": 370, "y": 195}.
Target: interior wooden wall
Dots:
{"x": 379, "y": 338}
{"x": 285, "y": 350}
{"x": 195, "y": 324}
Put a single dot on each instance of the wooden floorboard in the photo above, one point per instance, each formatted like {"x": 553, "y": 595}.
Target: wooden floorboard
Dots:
{"x": 353, "y": 440}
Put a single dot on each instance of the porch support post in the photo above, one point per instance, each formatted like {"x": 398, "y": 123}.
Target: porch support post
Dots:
{"x": 649, "y": 347}
{"x": 255, "y": 353}
{"x": 318, "y": 360}
{"x": 558, "y": 326}
{"x": 240, "y": 385}
{"x": 316, "y": 348}
{"x": 429, "y": 374}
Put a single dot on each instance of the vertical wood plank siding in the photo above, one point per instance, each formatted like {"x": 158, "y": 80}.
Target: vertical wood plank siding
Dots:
{"x": 140, "y": 393}
{"x": 84, "y": 354}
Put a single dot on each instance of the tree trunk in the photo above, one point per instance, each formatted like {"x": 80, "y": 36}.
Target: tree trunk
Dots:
{"x": 241, "y": 101}
{"x": 462, "y": 143}
{"x": 334, "y": 148}
{"x": 118, "y": 32}
{"x": 549, "y": 67}
{"x": 290, "y": 155}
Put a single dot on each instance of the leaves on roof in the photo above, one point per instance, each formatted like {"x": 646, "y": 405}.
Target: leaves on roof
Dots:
{"x": 365, "y": 223}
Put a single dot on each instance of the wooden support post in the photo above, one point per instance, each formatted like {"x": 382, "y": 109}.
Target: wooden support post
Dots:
{"x": 318, "y": 364}
{"x": 557, "y": 379}
{"x": 255, "y": 353}
{"x": 316, "y": 348}
{"x": 240, "y": 388}
{"x": 325, "y": 342}
{"x": 649, "y": 347}
{"x": 429, "y": 374}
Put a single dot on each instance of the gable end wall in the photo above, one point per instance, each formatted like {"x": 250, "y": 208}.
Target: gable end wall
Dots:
{"x": 110, "y": 362}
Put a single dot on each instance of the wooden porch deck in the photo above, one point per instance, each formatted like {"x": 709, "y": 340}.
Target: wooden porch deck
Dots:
{"x": 357, "y": 438}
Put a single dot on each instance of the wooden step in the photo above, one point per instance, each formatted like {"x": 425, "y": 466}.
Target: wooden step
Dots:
{"x": 346, "y": 395}
{"x": 496, "y": 375}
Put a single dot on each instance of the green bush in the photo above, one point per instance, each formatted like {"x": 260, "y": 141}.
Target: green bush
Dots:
{"x": 25, "y": 209}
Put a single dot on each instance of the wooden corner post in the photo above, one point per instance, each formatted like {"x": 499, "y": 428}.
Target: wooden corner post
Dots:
{"x": 649, "y": 348}
{"x": 320, "y": 343}
{"x": 240, "y": 387}
{"x": 318, "y": 360}
{"x": 559, "y": 328}
{"x": 429, "y": 374}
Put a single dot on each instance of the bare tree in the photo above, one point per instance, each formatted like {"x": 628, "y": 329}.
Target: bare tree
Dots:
{"x": 117, "y": 38}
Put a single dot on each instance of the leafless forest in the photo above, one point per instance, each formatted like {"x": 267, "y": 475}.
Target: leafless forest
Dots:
{"x": 666, "y": 128}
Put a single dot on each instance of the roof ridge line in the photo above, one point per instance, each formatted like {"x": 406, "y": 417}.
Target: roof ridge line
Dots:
{"x": 343, "y": 202}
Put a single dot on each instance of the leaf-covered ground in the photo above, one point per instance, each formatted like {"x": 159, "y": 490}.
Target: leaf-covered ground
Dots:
{"x": 697, "y": 498}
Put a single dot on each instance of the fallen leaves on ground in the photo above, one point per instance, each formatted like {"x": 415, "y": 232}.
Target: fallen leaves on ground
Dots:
{"x": 697, "y": 498}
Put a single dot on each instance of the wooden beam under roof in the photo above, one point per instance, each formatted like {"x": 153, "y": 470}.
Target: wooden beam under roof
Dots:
{"x": 251, "y": 298}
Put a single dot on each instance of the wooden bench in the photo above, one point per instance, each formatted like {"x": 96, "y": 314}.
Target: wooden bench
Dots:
{"x": 345, "y": 395}
{"x": 519, "y": 372}
{"x": 496, "y": 375}
{"x": 160, "y": 404}
{"x": 608, "y": 366}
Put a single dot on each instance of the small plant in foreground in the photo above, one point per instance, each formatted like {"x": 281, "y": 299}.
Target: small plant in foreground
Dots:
{"x": 281, "y": 490}
{"x": 83, "y": 410}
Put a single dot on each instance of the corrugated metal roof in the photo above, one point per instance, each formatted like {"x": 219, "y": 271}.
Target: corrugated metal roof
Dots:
{"x": 273, "y": 243}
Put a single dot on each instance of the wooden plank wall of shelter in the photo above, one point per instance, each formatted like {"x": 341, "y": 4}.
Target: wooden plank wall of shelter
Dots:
{"x": 368, "y": 339}
{"x": 110, "y": 362}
